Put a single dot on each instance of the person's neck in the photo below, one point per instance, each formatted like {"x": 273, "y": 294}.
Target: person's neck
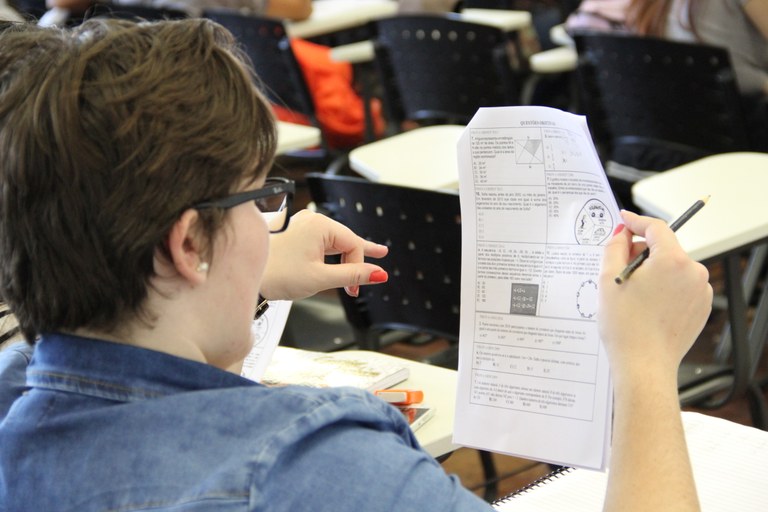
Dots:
{"x": 149, "y": 337}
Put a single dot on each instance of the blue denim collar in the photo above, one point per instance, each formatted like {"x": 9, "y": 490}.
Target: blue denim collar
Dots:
{"x": 119, "y": 372}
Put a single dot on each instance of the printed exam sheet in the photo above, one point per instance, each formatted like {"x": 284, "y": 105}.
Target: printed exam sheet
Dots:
{"x": 536, "y": 210}
{"x": 266, "y": 332}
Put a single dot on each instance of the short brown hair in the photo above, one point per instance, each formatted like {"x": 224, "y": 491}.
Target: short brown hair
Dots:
{"x": 107, "y": 133}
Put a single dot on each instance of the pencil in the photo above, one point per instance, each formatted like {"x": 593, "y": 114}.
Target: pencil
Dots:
{"x": 685, "y": 217}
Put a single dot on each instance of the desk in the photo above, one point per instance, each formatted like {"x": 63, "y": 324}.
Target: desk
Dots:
{"x": 506, "y": 20}
{"x": 733, "y": 221}
{"x": 557, "y": 60}
{"x": 439, "y": 386}
{"x": 420, "y": 158}
{"x": 334, "y": 15}
{"x": 292, "y": 137}
{"x": 734, "y": 216}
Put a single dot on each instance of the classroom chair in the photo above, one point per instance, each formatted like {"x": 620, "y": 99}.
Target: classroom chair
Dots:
{"x": 435, "y": 70}
{"x": 422, "y": 228}
{"x": 727, "y": 230}
{"x": 268, "y": 47}
{"x": 653, "y": 104}
{"x": 29, "y": 8}
{"x": 438, "y": 69}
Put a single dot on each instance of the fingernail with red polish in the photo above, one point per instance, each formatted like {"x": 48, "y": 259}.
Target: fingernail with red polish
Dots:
{"x": 618, "y": 229}
{"x": 378, "y": 276}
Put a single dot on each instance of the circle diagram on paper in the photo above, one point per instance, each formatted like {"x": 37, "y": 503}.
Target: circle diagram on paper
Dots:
{"x": 586, "y": 299}
{"x": 259, "y": 330}
{"x": 594, "y": 223}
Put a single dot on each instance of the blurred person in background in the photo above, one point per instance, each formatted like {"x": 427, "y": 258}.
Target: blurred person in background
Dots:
{"x": 289, "y": 9}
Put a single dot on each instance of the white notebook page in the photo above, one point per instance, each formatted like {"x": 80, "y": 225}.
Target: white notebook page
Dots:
{"x": 728, "y": 465}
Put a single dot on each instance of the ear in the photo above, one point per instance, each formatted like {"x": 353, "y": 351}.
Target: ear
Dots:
{"x": 185, "y": 247}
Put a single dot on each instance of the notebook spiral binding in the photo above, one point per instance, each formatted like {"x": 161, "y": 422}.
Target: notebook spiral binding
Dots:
{"x": 535, "y": 484}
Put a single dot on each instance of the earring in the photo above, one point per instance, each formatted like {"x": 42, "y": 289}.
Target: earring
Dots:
{"x": 202, "y": 266}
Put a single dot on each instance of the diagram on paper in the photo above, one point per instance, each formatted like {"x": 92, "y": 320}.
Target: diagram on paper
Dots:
{"x": 593, "y": 223}
{"x": 530, "y": 151}
{"x": 586, "y": 299}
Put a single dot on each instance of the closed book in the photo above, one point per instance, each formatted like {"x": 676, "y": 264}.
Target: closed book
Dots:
{"x": 356, "y": 368}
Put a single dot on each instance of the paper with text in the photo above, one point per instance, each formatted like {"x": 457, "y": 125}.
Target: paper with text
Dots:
{"x": 266, "y": 331}
{"x": 536, "y": 211}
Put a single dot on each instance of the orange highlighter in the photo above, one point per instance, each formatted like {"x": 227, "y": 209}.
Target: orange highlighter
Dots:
{"x": 400, "y": 396}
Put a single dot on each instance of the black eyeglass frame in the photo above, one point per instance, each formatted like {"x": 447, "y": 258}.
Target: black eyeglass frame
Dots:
{"x": 272, "y": 187}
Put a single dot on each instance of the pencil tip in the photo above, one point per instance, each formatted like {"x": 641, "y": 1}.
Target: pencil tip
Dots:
{"x": 706, "y": 198}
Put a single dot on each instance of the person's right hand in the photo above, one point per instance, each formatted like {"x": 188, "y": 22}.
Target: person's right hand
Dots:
{"x": 296, "y": 267}
{"x": 651, "y": 320}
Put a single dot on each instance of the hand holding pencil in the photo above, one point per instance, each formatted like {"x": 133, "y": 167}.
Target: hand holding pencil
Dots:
{"x": 650, "y": 322}
{"x": 674, "y": 226}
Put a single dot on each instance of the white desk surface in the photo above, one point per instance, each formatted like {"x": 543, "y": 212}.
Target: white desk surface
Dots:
{"x": 354, "y": 53}
{"x": 292, "y": 136}
{"x": 331, "y": 15}
{"x": 507, "y": 20}
{"x": 439, "y": 387}
{"x": 556, "y": 60}
{"x": 420, "y": 158}
{"x": 735, "y": 215}
{"x": 559, "y": 35}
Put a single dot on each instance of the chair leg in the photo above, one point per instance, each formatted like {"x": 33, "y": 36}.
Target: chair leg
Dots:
{"x": 757, "y": 407}
{"x": 491, "y": 481}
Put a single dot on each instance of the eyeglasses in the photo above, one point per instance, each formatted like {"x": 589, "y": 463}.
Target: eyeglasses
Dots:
{"x": 273, "y": 200}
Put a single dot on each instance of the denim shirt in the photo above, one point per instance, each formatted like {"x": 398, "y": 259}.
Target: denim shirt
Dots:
{"x": 111, "y": 427}
{"x": 14, "y": 359}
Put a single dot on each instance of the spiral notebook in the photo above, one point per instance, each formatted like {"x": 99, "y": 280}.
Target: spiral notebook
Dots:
{"x": 728, "y": 465}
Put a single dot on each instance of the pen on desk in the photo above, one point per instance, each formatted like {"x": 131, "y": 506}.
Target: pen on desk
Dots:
{"x": 685, "y": 217}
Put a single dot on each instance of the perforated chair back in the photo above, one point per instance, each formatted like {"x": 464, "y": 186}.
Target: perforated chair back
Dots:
{"x": 422, "y": 229}
{"x": 267, "y": 45}
{"x": 439, "y": 69}
{"x": 654, "y": 104}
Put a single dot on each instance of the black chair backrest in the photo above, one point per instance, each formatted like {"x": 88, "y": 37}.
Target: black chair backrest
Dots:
{"x": 440, "y": 69}
{"x": 654, "y": 104}
{"x": 136, "y": 12}
{"x": 267, "y": 45}
{"x": 422, "y": 229}
{"x": 29, "y": 8}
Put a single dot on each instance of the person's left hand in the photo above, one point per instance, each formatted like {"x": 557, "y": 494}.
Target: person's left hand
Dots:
{"x": 296, "y": 266}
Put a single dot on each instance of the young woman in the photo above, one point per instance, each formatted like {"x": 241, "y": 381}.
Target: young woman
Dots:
{"x": 739, "y": 25}
{"x": 135, "y": 247}
{"x": 288, "y": 9}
